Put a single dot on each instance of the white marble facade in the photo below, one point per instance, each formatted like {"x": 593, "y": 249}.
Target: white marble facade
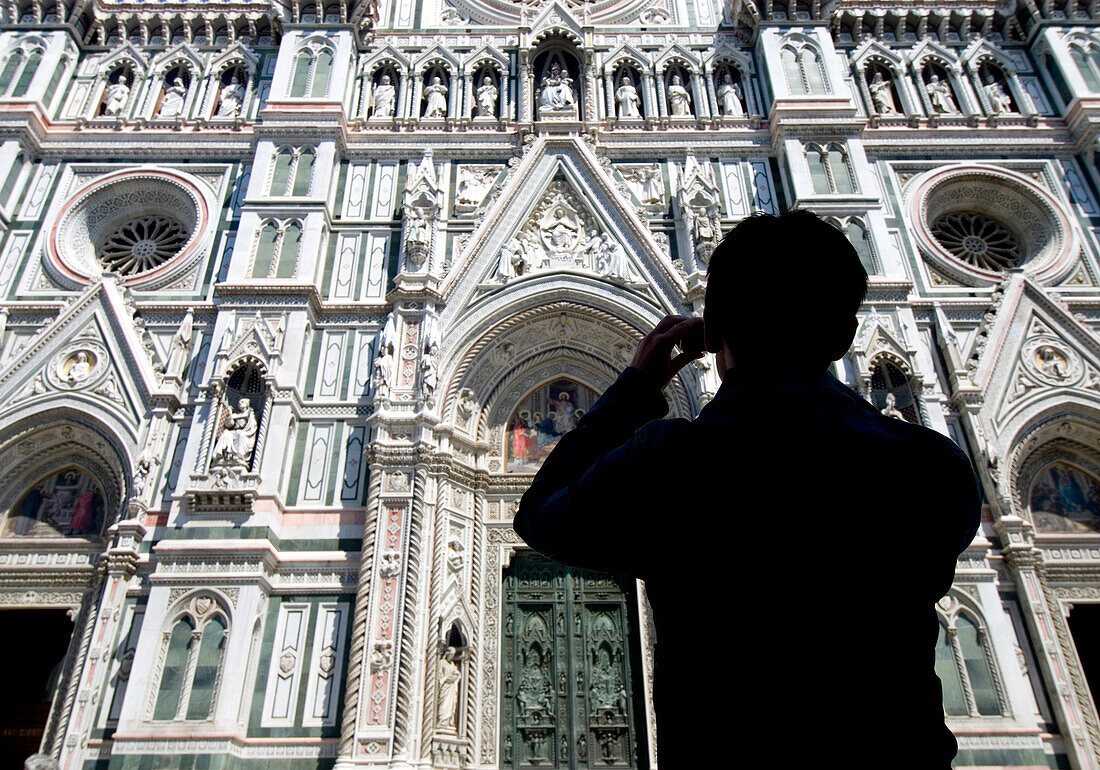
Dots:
{"x": 277, "y": 278}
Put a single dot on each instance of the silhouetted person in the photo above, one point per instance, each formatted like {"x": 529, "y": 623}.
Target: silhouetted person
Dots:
{"x": 793, "y": 541}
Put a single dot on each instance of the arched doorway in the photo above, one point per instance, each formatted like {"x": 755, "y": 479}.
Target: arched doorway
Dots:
{"x": 572, "y": 695}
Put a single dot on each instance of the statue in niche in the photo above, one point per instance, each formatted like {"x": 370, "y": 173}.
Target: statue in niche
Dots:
{"x": 429, "y": 378}
{"x": 116, "y": 96}
{"x": 238, "y": 438}
{"x": 435, "y": 96}
{"x": 605, "y": 680}
{"x": 882, "y": 94}
{"x": 384, "y": 99}
{"x": 706, "y": 228}
{"x": 891, "y": 408}
{"x": 940, "y": 96}
{"x": 450, "y": 677}
{"x": 487, "y": 98}
{"x": 999, "y": 101}
{"x": 231, "y": 98}
{"x": 557, "y": 97}
{"x": 729, "y": 97}
{"x": 181, "y": 344}
{"x": 628, "y": 99}
{"x": 381, "y": 372}
{"x": 417, "y": 235}
{"x": 679, "y": 101}
{"x": 172, "y": 103}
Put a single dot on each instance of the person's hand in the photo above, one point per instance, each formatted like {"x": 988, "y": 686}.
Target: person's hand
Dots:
{"x": 654, "y": 354}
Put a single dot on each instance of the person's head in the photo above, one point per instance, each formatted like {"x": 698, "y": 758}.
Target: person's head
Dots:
{"x": 782, "y": 292}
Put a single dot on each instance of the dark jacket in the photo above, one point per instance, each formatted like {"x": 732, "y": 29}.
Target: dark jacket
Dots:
{"x": 793, "y": 543}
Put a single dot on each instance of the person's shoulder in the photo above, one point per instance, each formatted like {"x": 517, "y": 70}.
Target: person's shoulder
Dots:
{"x": 931, "y": 443}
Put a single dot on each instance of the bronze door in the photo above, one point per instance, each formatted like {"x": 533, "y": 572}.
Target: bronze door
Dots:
{"x": 572, "y": 697}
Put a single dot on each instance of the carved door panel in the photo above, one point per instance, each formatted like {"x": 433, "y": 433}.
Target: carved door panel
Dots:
{"x": 570, "y": 668}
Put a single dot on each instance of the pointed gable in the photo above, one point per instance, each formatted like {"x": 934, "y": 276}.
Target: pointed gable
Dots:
{"x": 560, "y": 174}
{"x": 92, "y": 354}
{"x": 1035, "y": 352}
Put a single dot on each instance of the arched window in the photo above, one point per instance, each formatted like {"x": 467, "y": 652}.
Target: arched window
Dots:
{"x": 19, "y": 70}
{"x": 10, "y": 71}
{"x": 889, "y": 380}
{"x": 292, "y": 171}
{"x": 277, "y": 250}
{"x": 10, "y": 180}
{"x": 265, "y": 250}
{"x": 840, "y": 174}
{"x": 1087, "y": 65}
{"x": 22, "y": 83}
{"x": 829, "y": 170}
{"x": 972, "y": 648}
{"x": 954, "y": 698}
{"x": 793, "y": 71}
{"x": 802, "y": 67}
{"x": 288, "y": 251}
{"x": 312, "y": 69}
{"x": 964, "y": 668}
{"x": 861, "y": 242}
{"x": 818, "y": 173}
{"x": 175, "y": 667}
{"x": 192, "y": 663}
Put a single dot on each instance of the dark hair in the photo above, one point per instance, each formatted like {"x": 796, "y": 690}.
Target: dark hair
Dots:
{"x": 787, "y": 286}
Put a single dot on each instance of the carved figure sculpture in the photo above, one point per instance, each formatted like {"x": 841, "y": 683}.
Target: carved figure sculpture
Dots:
{"x": 381, "y": 372}
{"x": 512, "y": 262}
{"x": 450, "y": 677}
{"x": 436, "y": 99}
{"x": 653, "y": 188}
{"x": 172, "y": 103}
{"x": 80, "y": 369}
{"x": 417, "y": 235}
{"x": 238, "y": 437}
{"x": 613, "y": 259}
{"x": 729, "y": 97}
{"x": 429, "y": 378}
{"x": 882, "y": 94}
{"x": 487, "y": 98}
{"x": 679, "y": 101}
{"x": 181, "y": 343}
{"x": 384, "y": 99}
{"x": 557, "y": 94}
{"x": 999, "y": 101}
{"x": 116, "y": 96}
{"x": 891, "y": 408}
{"x": 231, "y": 98}
{"x": 474, "y": 184}
{"x": 628, "y": 99}
{"x": 939, "y": 94}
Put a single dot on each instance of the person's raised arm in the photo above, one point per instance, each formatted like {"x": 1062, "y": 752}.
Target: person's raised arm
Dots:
{"x": 586, "y": 505}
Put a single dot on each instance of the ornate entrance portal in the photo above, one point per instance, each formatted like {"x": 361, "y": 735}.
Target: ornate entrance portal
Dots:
{"x": 571, "y": 697}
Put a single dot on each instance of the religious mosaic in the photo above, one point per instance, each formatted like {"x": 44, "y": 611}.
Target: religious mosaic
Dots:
{"x": 540, "y": 421}
{"x": 68, "y": 502}
{"x": 1065, "y": 499}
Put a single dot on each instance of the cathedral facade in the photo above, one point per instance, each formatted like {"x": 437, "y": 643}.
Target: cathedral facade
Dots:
{"x": 296, "y": 296}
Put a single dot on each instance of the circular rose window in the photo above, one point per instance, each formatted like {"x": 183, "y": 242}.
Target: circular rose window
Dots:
{"x": 982, "y": 241}
{"x": 146, "y": 226}
{"x": 973, "y": 223}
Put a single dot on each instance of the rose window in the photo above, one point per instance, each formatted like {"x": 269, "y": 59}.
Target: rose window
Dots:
{"x": 149, "y": 226}
{"x": 142, "y": 244}
{"x": 979, "y": 240}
